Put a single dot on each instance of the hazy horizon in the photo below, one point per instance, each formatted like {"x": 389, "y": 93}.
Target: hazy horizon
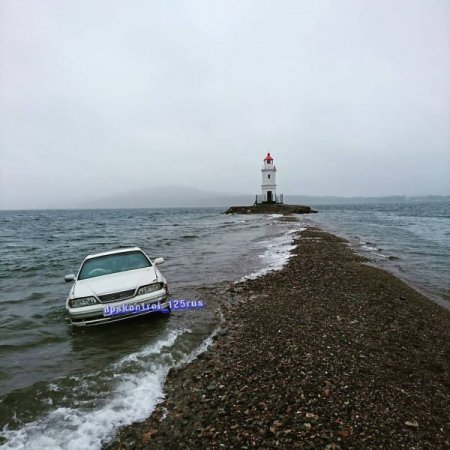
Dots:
{"x": 184, "y": 197}
{"x": 99, "y": 100}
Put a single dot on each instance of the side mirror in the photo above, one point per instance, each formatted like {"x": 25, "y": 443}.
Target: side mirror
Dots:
{"x": 158, "y": 261}
{"x": 69, "y": 278}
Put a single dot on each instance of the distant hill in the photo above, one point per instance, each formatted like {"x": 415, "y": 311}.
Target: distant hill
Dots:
{"x": 169, "y": 197}
{"x": 181, "y": 196}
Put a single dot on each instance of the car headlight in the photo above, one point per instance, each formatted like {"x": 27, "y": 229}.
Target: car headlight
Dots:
{"x": 150, "y": 288}
{"x": 83, "y": 301}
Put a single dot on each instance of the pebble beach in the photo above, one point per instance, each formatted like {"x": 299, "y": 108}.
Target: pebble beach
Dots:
{"x": 328, "y": 353}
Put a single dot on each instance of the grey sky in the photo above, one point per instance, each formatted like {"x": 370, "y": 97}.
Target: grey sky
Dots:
{"x": 99, "y": 97}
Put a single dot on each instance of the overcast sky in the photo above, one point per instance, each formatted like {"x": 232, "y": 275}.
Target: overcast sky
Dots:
{"x": 97, "y": 97}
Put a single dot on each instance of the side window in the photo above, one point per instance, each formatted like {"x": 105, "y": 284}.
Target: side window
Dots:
{"x": 268, "y": 176}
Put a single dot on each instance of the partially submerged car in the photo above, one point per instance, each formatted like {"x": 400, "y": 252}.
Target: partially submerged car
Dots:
{"x": 116, "y": 285}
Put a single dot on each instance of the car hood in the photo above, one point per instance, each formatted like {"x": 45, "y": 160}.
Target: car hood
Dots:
{"x": 116, "y": 282}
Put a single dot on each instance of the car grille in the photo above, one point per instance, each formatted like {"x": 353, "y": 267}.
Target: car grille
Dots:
{"x": 115, "y": 296}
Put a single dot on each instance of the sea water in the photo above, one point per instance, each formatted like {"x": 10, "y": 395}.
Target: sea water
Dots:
{"x": 68, "y": 388}
{"x": 410, "y": 239}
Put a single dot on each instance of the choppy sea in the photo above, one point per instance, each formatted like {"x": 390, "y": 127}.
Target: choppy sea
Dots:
{"x": 67, "y": 388}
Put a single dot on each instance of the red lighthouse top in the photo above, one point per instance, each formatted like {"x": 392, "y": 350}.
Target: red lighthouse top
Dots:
{"x": 268, "y": 157}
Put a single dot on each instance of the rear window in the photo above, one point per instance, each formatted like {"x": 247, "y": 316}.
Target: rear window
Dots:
{"x": 108, "y": 264}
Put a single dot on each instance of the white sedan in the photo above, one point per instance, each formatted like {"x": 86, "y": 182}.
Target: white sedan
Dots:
{"x": 116, "y": 285}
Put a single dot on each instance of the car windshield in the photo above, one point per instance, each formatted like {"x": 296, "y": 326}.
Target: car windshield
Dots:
{"x": 118, "y": 262}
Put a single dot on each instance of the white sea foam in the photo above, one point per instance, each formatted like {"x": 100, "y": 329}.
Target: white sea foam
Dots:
{"x": 154, "y": 349}
{"x": 74, "y": 429}
{"x": 368, "y": 248}
{"x": 133, "y": 398}
{"x": 274, "y": 216}
{"x": 199, "y": 350}
{"x": 374, "y": 250}
{"x": 276, "y": 254}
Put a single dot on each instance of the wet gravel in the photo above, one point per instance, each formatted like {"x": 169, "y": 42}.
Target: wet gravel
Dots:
{"x": 328, "y": 353}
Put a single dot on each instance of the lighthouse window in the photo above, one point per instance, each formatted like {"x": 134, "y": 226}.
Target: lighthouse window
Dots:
{"x": 268, "y": 176}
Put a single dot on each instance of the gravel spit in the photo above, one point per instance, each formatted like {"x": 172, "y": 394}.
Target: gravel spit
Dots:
{"x": 328, "y": 353}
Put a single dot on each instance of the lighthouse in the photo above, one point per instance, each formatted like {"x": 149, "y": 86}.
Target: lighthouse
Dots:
{"x": 269, "y": 184}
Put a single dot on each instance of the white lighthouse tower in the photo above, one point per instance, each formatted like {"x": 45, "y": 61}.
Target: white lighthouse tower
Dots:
{"x": 269, "y": 185}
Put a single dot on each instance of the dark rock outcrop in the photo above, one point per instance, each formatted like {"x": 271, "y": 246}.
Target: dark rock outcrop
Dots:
{"x": 270, "y": 208}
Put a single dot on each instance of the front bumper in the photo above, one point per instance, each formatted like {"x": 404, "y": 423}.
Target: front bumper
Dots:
{"x": 94, "y": 315}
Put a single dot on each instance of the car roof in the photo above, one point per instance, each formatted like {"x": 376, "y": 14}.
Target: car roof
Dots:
{"x": 113, "y": 252}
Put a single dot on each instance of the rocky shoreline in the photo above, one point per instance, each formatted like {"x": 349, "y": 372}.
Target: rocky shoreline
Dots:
{"x": 328, "y": 353}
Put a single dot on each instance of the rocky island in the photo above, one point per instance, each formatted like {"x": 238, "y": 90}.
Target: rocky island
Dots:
{"x": 269, "y": 202}
{"x": 270, "y": 208}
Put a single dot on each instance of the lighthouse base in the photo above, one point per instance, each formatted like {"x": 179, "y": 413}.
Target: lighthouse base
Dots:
{"x": 270, "y": 199}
